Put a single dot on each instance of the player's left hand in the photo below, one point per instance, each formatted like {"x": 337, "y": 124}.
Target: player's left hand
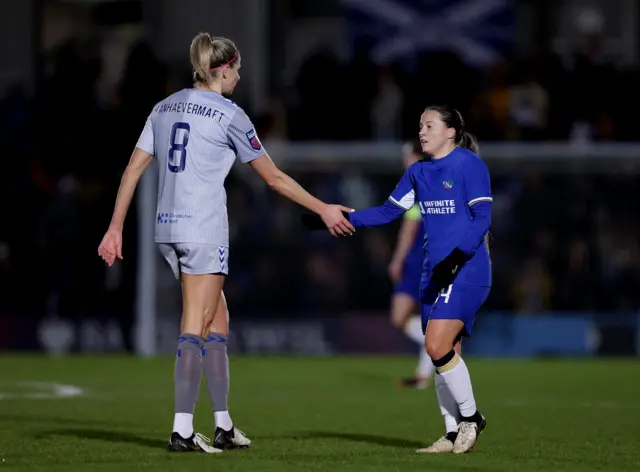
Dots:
{"x": 447, "y": 269}
{"x": 111, "y": 246}
{"x": 336, "y": 218}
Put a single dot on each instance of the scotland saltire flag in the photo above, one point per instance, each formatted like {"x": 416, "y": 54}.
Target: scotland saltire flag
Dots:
{"x": 481, "y": 32}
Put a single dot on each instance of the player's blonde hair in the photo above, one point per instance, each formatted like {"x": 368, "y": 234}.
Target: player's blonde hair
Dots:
{"x": 209, "y": 54}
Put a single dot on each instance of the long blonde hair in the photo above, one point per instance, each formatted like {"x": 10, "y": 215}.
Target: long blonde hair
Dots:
{"x": 209, "y": 54}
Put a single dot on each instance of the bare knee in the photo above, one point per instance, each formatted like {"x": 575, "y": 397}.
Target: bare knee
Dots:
{"x": 437, "y": 348}
{"x": 441, "y": 337}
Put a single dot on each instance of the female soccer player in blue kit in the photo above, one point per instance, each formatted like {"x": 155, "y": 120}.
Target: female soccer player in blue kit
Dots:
{"x": 453, "y": 192}
{"x": 405, "y": 271}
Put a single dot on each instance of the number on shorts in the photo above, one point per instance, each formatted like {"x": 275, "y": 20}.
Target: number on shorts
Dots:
{"x": 446, "y": 294}
{"x": 178, "y": 164}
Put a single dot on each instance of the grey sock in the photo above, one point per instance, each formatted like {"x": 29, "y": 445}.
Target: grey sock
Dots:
{"x": 215, "y": 364}
{"x": 188, "y": 372}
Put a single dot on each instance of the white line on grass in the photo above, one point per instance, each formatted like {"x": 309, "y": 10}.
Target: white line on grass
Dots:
{"x": 41, "y": 391}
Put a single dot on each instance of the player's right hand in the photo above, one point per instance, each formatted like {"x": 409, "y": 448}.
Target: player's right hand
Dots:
{"x": 335, "y": 217}
{"x": 111, "y": 246}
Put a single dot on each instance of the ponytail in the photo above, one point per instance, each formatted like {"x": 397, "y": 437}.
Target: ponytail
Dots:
{"x": 469, "y": 141}
{"x": 453, "y": 119}
{"x": 209, "y": 54}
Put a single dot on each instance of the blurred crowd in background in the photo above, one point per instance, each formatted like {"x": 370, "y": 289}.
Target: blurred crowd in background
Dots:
{"x": 559, "y": 243}
{"x": 541, "y": 97}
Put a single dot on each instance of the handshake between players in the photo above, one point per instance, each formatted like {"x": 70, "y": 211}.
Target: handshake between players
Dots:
{"x": 338, "y": 225}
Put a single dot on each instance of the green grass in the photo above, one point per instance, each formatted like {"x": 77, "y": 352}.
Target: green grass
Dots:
{"x": 321, "y": 415}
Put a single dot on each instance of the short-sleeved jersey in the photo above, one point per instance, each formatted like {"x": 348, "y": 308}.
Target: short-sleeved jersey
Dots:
{"x": 445, "y": 190}
{"x": 195, "y": 136}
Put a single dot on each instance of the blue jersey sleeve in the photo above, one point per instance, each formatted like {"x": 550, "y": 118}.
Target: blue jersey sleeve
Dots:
{"x": 477, "y": 192}
{"x": 400, "y": 201}
{"x": 404, "y": 194}
{"x": 375, "y": 216}
{"x": 477, "y": 184}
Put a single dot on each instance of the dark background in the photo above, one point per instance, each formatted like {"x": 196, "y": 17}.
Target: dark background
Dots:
{"x": 78, "y": 78}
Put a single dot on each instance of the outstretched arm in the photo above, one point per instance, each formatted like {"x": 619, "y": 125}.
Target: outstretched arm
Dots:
{"x": 376, "y": 216}
{"x": 400, "y": 201}
{"x": 285, "y": 185}
{"x": 331, "y": 215}
{"x": 244, "y": 140}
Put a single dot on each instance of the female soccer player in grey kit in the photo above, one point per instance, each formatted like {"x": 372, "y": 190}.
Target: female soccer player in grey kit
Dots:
{"x": 195, "y": 135}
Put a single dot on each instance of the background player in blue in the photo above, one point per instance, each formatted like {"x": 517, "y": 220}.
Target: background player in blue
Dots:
{"x": 454, "y": 194}
{"x": 405, "y": 271}
{"x": 196, "y": 134}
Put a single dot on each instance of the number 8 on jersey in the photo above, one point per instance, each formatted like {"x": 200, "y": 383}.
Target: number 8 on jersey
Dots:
{"x": 178, "y": 143}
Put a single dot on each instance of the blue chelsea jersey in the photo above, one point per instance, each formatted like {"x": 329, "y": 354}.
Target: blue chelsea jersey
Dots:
{"x": 446, "y": 190}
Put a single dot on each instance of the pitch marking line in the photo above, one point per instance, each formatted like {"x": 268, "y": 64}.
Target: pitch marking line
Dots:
{"x": 42, "y": 391}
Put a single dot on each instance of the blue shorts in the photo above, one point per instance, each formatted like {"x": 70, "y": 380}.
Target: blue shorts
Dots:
{"x": 410, "y": 283}
{"x": 457, "y": 302}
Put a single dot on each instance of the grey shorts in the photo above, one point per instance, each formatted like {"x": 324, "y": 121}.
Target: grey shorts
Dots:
{"x": 196, "y": 259}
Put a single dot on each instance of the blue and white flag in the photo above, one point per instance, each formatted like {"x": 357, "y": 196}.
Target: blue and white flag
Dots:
{"x": 481, "y": 32}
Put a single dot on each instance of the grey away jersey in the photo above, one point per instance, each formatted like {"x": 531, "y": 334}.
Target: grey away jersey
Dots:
{"x": 195, "y": 136}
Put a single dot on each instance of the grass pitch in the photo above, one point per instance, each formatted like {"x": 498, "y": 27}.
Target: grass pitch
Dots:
{"x": 115, "y": 414}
